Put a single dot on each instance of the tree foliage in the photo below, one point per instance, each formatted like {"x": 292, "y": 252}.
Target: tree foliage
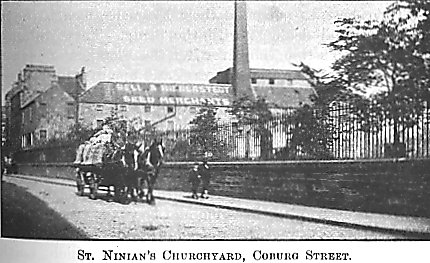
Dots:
{"x": 204, "y": 139}
{"x": 310, "y": 124}
{"x": 257, "y": 115}
{"x": 389, "y": 56}
{"x": 250, "y": 111}
{"x": 311, "y": 134}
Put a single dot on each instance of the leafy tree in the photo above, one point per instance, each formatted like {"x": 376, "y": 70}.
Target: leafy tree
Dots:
{"x": 311, "y": 126}
{"x": 387, "y": 55}
{"x": 255, "y": 113}
{"x": 204, "y": 133}
{"x": 311, "y": 134}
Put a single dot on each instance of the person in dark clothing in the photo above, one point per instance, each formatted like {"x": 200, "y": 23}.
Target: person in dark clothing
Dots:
{"x": 194, "y": 178}
{"x": 205, "y": 178}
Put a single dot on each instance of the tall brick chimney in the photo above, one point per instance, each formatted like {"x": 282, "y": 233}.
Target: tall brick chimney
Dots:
{"x": 241, "y": 74}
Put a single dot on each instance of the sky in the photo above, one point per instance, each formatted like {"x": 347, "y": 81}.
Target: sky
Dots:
{"x": 183, "y": 42}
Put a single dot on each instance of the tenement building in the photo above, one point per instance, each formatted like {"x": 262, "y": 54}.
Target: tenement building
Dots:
{"x": 41, "y": 105}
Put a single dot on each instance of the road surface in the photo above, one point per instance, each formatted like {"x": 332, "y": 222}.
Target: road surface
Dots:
{"x": 60, "y": 214}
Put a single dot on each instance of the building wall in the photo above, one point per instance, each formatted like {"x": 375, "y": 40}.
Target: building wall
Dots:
{"x": 36, "y": 79}
{"x": 15, "y": 122}
{"x": 52, "y": 112}
{"x": 90, "y": 113}
{"x": 287, "y": 79}
{"x": 287, "y": 83}
{"x": 4, "y": 123}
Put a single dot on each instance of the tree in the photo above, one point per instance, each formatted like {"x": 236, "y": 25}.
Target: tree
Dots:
{"x": 255, "y": 113}
{"x": 311, "y": 126}
{"x": 311, "y": 135}
{"x": 386, "y": 55}
{"x": 204, "y": 133}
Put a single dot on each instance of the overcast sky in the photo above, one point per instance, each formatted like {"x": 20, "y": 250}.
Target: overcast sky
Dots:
{"x": 185, "y": 42}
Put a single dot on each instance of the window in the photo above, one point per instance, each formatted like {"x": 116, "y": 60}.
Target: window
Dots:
{"x": 99, "y": 124}
{"x": 99, "y": 107}
{"x": 27, "y": 140}
{"x": 193, "y": 110}
{"x": 30, "y": 114}
{"x": 123, "y": 108}
{"x": 43, "y": 135}
{"x": 70, "y": 110}
{"x": 253, "y": 80}
{"x": 170, "y": 125}
{"x": 271, "y": 81}
{"x": 30, "y": 138}
{"x": 147, "y": 123}
{"x": 147, "y": 108}
{"x": 22, "y": 117}
{"x": 290, "y": 82}
{"x": 169, "y": 109}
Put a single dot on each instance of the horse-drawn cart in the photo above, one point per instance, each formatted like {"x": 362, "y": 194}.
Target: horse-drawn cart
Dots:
{"x": 127, "y": 169}
{"x": 99, "y": 165}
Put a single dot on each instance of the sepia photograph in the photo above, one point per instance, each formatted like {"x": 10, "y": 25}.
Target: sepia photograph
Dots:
{"x": 215, "y": 121}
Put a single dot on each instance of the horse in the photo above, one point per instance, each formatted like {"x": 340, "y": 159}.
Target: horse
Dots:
{"x": 146, "y": 167}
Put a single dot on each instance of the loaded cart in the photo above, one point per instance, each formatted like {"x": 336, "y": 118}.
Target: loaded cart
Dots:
{"x": 98, "y": 165}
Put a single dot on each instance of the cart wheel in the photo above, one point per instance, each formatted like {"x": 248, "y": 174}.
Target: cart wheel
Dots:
{"x": 93, "y": 188}
{"x": 80, "y": 185}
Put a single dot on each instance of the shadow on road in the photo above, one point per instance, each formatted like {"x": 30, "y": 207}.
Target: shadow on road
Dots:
{"x": 23, "y": 215}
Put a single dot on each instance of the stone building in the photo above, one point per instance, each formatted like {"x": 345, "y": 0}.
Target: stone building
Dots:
{"x": 166, "y": 106}
{"x": 171, "y": 106}
{"x": 4, "y": 122}
{"x": 41, "y": 105}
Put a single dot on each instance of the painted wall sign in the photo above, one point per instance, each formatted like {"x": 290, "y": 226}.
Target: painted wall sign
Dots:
{"x": 181, "y": 88}
{"x": 171, "y": 94}
{"x": 176, "y": 100}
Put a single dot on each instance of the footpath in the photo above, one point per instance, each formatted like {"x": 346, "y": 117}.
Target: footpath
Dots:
{"x": 413, "y": 227}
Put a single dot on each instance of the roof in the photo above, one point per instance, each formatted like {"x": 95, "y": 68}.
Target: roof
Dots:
{"x": 70, "y": 85}
{"x": 258, "y": 73}
{"x": 277, "y": 74}
{"x": 144, "y": 93}
{"x": 42, "y": 68}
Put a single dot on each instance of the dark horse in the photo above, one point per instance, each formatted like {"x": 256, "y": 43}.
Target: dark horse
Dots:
{"x": 146, "y": 167}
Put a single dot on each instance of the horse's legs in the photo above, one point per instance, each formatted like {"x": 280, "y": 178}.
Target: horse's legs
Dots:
{"x": 149, "y": 191}
{"x": 152, "y": 177}
{"x": 139, "y": 190}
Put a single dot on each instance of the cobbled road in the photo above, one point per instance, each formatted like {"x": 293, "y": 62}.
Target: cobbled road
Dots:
{"x": 167, "y": 220}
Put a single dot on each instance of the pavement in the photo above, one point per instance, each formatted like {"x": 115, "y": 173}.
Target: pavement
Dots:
{"x": 413, "y": 227}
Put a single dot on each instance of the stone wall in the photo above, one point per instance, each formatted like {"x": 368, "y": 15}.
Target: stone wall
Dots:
{"x": 383, "y": 186}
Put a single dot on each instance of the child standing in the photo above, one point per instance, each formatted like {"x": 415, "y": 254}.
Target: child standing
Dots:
{"x": 205, "y": 177}
{"x": 194, "y": 178}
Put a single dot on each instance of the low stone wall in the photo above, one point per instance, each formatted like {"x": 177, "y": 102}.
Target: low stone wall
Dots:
{"x": 52, "y": 170}
{"x": 399, "y": 187}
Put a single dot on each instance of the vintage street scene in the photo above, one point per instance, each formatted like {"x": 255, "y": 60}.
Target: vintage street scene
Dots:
{"x": 207, "y": 120}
